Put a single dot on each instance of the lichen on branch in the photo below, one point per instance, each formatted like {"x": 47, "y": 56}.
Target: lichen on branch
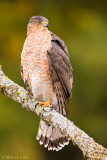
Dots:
{"x": 90, "y": 149}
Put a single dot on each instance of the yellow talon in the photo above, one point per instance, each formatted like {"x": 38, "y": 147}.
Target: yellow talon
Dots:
{"x": 45, "y": 104}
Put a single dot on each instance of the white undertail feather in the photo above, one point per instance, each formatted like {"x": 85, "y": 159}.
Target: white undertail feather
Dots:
{"x": 51, "y": 137}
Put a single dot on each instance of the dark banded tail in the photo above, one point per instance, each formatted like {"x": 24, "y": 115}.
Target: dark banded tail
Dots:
{"x": 51, "y": 137}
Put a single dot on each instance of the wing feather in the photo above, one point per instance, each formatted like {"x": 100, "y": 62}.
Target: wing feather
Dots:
{"x": 60, "y": 71}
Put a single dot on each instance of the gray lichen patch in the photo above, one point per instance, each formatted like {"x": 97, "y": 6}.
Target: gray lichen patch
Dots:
{"x": 91, "y": 150}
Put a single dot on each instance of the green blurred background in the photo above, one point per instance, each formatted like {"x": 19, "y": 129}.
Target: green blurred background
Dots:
{"x": 83, "y": 27}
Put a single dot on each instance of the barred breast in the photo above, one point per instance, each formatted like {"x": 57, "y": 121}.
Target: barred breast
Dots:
{"x": 35, "y": 65}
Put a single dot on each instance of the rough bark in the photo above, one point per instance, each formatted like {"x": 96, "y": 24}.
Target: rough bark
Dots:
{"x": 90, "y": 149}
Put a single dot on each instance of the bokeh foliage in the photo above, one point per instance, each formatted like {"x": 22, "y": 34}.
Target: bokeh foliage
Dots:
{"x": 83, "y": 27}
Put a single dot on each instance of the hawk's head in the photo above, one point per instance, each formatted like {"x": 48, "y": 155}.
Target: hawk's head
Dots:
{"x": 39, "y": 20}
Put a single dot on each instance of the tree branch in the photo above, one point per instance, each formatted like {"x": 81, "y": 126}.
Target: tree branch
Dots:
{"x": 91, "y": 149}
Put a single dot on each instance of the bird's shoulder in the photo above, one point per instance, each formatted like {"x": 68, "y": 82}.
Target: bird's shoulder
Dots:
{"x": 57, "y": 41}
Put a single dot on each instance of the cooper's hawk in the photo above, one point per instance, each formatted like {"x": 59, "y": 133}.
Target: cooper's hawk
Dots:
{"x": 46, "y": 69}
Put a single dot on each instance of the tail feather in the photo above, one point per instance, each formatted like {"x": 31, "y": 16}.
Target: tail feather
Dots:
{"x": 48, "y": 135}
{"x": 51, "y": 137}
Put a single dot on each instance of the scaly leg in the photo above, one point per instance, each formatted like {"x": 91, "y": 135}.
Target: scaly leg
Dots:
{"x": 45, "y": 104}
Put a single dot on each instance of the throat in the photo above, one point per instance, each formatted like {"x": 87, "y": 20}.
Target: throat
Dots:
{"x": 35, "y": 29}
